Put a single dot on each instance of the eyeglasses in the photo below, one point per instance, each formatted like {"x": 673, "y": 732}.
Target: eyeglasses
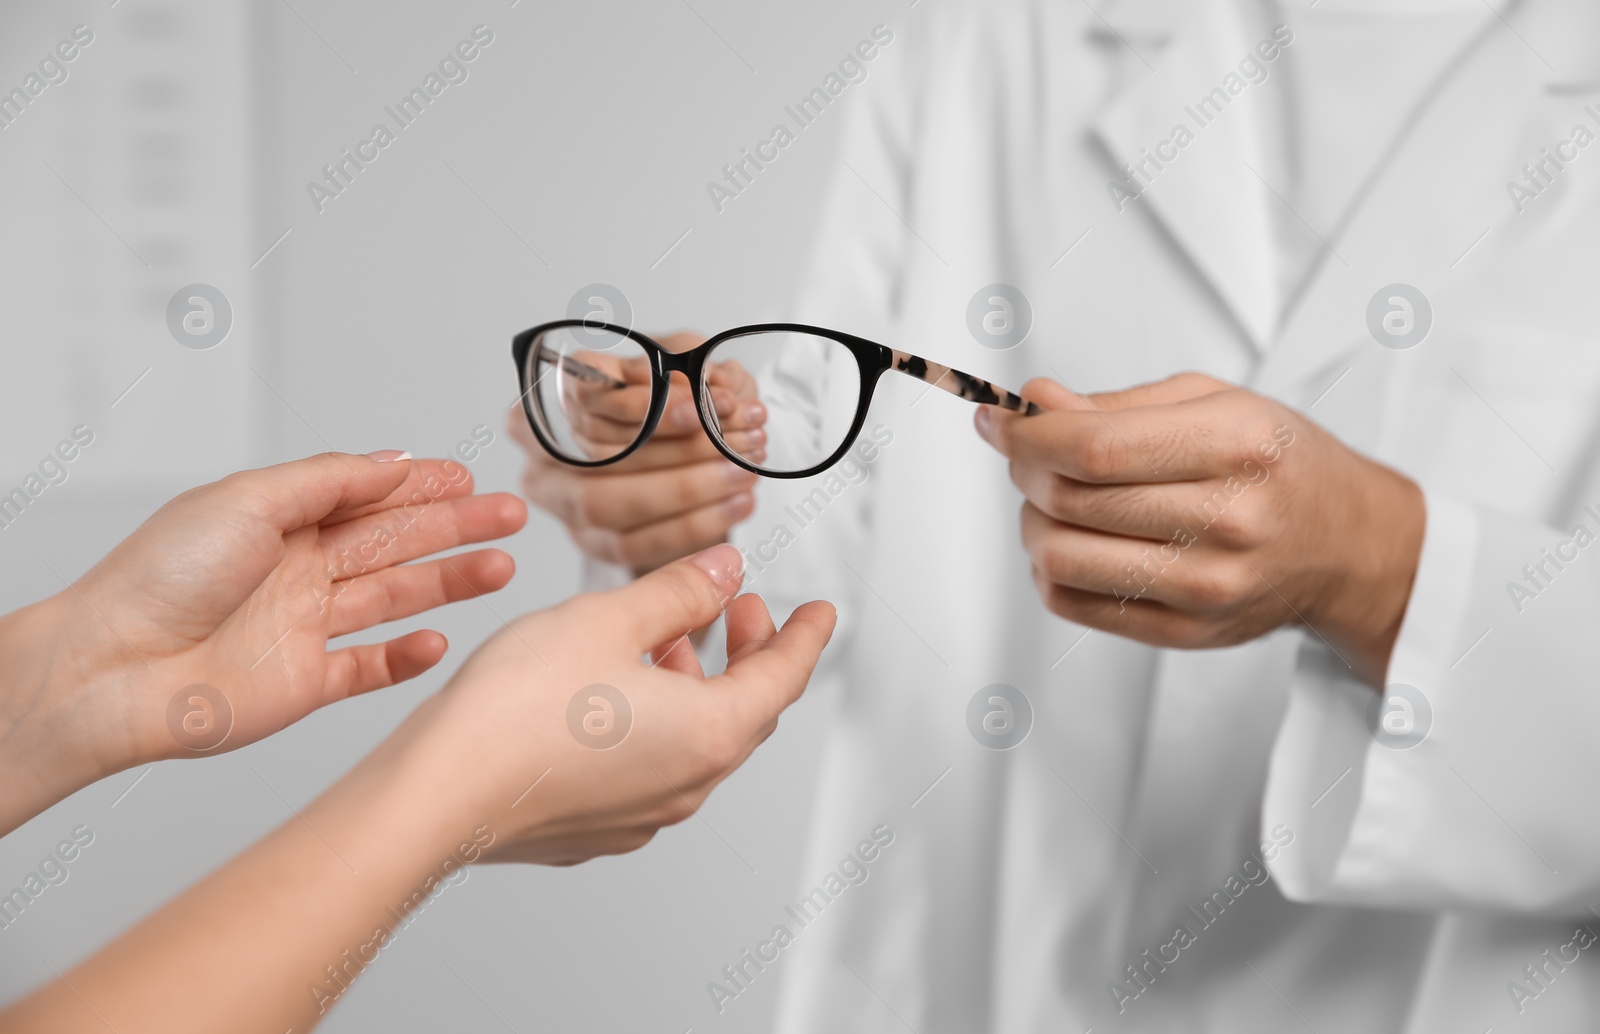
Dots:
{"x": 594, "y": 392}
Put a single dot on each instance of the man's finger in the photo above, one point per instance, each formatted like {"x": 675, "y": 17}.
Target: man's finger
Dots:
{"x": 1172, "y": 572}
{"x": 626, "y": 406}
{"x": 628, "y": 501}
{"x": 1179, "y": 387}
{"x": 1142, "y": 620}
{"x": 1092, "y": 560}
{"x": 1144, "y": 511}
{"x": 660, "y": 452}
{"x": 1187, "y": 441}
{"x": 655, "y": 544}
{"x": 680, "y": 416}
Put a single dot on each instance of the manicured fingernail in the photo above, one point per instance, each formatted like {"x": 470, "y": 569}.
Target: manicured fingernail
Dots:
{"x": 753, "y": 413}
{"x": 723, "y": 563}
{"x": 388, "y": 455}
{"x": 738, "y": 475}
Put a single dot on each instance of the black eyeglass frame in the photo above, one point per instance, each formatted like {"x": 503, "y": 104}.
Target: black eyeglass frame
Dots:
{"x": 872, "y": 359}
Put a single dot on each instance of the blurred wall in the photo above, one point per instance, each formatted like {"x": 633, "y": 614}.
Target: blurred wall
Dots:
{"x": 175, "y": 149}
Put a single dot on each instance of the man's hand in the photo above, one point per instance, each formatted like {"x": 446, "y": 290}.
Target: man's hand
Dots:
{"x": 1191, "y": 513}
{"x": 672, "y": 497}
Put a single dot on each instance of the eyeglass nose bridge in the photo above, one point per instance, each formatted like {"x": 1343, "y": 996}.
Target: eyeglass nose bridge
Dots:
{"x": 692, "y": 365}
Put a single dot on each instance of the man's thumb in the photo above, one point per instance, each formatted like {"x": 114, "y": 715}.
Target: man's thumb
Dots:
{"x": 1049, "y": 394}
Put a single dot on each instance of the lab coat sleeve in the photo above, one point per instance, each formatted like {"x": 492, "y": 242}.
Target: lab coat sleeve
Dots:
{"x": 1491, "y": 805}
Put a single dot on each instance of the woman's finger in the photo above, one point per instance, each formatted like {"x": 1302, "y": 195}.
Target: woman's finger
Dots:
{"x": 397, "y": 536}
{"x": 361, "y": 669}
{"x": 401, "y": 592}
{"x": 749, "y": 625}
{"x": 303, "y": 492}
{"x": 770, "y": 678}
{"x": 679, "y": 656}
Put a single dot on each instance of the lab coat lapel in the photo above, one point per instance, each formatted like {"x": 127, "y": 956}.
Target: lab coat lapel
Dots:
{"x": 1436, "y": 216}
{"x": 1205, "y": 198}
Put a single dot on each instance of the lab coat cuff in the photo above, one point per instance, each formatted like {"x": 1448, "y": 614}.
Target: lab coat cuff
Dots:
{"x": 1430, "y": 632}
{"x": 1349, "y": 798}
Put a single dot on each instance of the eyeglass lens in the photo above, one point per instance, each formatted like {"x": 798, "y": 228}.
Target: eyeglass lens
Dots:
{"x": 781, "y": 401}
{"x": 809, "y": 387}
{"x": 589, "y": 391}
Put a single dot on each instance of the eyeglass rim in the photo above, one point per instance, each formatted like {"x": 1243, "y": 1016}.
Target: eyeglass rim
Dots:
{"x": 872, "y": 360}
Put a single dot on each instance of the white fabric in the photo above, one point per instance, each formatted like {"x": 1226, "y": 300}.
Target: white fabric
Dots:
{"x": 1418, "y": 884}
{"x": 1347, "y": 83}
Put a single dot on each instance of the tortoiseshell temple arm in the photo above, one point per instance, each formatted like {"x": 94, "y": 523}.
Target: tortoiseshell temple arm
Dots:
{"x": 973, "y": 389}
{"x": 581, "y": 370}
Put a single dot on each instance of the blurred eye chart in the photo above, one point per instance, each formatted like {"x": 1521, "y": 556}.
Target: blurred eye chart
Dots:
{"x": 132, "y": 271}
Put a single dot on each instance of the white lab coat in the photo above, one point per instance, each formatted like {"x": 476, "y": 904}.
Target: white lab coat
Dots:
{"x": 1419, "y": 883}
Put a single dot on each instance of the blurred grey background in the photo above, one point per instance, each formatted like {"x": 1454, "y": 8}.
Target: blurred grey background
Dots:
{"x": 177, "y": 150}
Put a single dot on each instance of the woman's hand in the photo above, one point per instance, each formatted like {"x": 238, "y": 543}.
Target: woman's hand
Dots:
{"x": 568, "y": 745}
{"x": 1192, "y": 513}
{"x": 208, "y": 628}
{"x": 499, "y": 760}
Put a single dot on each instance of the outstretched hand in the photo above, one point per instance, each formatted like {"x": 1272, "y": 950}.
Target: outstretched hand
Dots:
{"x": 581, "y": 730}
{"x": 208, "y": 628}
